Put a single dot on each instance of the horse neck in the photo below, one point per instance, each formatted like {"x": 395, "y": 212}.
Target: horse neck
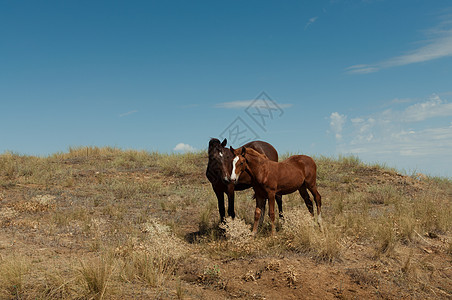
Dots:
{"x": 255, "y": 162}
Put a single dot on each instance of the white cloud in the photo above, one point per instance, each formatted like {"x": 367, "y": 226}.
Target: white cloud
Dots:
{"x": 415, "y": 136}
{"x": 437, "y": 45}
{"x": 128, "y": 113}
{"x": 361, "y": 69}
{"x": 337, "y": 122}
{"x": 434, "y": 107}
{"x": 246, "y": 103}
{"x": 401, "y": 100}
{"x": 436, "y": 48}
{"x": 310, "y": 22}
{"x": 184, "y": 148}
{"x": 426, "y": 142}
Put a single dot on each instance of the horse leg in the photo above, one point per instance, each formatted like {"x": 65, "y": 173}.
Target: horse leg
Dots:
{"x": 260, "y": 206}
{"x": 220, "y": 197}
{"x": 318, "y": 202}
{"x": 307, "y": 200}
{"x": 278, "y": 199}
{"x": 271, "y": 210}
{"x": 261, "y": 219}
{"x": 231, "y": 211}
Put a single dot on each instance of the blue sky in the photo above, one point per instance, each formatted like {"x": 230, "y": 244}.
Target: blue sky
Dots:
{"x": 371, "y": 78}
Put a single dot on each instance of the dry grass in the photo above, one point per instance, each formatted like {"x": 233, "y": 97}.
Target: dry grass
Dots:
{"x": 13, "y": 272}
{"x": 96, "y": 275}
{"x": 110, "y": 223}
{"x": 301, "y": 234}
{"x": 155, "y": 258}
{"x": 236, "y": 231}
{"x": 180, "y": 165}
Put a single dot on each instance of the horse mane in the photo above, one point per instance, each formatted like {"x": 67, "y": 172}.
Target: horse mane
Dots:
{"x": 253, "y": 152}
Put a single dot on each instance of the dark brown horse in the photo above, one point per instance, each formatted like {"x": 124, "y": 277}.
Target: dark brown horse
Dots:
{"x": 219, "y": 169}
{"x": 272, "y": 179}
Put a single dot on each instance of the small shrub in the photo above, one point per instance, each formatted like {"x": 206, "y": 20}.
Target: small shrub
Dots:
{"x": 350, "y": 161}
{"x": 150, "y": 186}
{"x": 362, "y": 276}
{"x": 385, "y": 237}
{"x": 154, "y": 260}
{"x": 383, "y": 194}
{"x": 147, "y": 267}
{"x": 57, "y": 286}
{"x": 8, "y": 165}
{"x": 301, "y": 234}
{"x": 236, "y": 231}
{"x": 13, "y": 269}
{"x": 96, "y": 274}
{"x": 434, "y": 213}
{"x": 123, "y": 189}
{"x": 210, "y": 276}
{"x": 406, "y": 227}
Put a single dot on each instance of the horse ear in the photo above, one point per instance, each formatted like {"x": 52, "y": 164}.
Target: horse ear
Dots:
{"x": 243, "y": 151}
{"x": 224, "y": 142}
{"x": 232, "y": 149}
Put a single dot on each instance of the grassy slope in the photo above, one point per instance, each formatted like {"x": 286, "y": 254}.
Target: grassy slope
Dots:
{"x": 108, "y": 223}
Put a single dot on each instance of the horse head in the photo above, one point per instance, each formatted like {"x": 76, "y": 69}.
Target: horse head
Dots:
{"x": 238, "y": 163}
{"x": 220, "y": 159}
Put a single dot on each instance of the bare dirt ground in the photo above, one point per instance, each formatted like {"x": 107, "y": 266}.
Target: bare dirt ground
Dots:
{"x": 111, "y": 224}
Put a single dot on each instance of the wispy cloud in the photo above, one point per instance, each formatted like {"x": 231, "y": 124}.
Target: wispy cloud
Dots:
{"x": 128, "y": 113}
{"x": 337, "y": 122}
{"x": 246, "y": 103}
{"x": 404, "y": 143}
{"x": 418, "y": 134}
{"x": 362, "y": 69}
{"x": 401, "y": 100}
{"x": 434, "y": 107}
{"x": 310, "y": 22}
{"x": 438, "y": 44}
{"x": 181, "y": 147}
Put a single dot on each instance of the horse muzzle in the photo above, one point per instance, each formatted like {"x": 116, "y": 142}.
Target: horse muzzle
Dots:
{"x": 233, "y": 181}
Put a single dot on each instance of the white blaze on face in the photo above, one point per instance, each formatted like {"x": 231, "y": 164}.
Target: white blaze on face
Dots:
{"x": 234, "y": 162}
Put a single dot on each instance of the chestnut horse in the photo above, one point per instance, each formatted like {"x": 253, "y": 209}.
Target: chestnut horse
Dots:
{"x": 219, "y": 167}
{"x": 271, "y": 179}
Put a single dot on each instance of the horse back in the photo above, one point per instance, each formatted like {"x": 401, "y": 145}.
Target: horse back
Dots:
{"x": 264, "y": 148}
{"x": 306, "y": 163}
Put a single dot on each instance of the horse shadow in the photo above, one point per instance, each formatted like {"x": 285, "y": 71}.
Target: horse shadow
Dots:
{"x": 206, "y": 233}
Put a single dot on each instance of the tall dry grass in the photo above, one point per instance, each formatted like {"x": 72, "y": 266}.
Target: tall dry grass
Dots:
{"x": 96, "y": 275}
{"x": 155, "y": 258}
{"x": 301, "y": 234}
{"x": 13, "y": 272}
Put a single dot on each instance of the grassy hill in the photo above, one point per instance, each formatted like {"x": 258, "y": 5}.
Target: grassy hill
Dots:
{"x": 105, "y": 223}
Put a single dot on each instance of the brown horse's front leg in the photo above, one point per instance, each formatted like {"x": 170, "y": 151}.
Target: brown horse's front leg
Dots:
{"x": 257, "y": 215}
{"x": 271, "y": 210}
{"x": 260, "y": 207}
